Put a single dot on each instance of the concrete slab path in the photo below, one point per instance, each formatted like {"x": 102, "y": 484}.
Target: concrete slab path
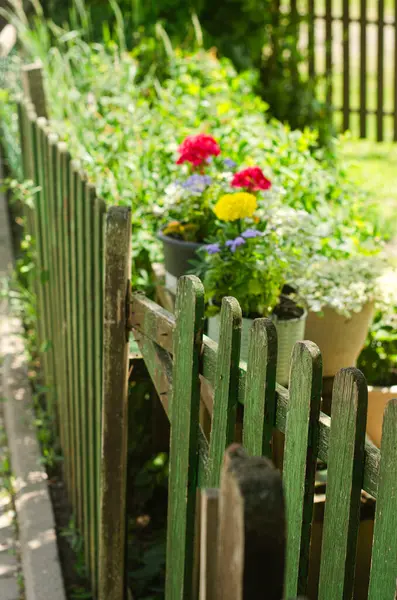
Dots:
{"x": 33, "y": 517}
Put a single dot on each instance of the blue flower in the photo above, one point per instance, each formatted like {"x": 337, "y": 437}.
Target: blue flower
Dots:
{"x": 234, "y": 244}
{"x": 197, "y": 183}
{"x": 229, "y": 163}
{"x": 250, "y": 233}
{"x": 213, "y": 248}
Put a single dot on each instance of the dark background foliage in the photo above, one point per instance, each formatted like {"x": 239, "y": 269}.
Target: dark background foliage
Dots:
{"x": 254, "y": 34}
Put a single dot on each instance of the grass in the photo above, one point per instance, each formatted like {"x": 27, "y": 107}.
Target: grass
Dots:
{"x": 373, "y": 166}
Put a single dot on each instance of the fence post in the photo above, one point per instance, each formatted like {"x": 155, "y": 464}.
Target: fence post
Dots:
{"x": 208, "y": 543}
{"x": 251, "y": 534}
{"x": 115, "y": 407}
{"x": 33, "y": 87}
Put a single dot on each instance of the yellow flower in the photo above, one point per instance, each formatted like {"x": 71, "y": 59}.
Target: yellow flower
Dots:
{"x": 231, "y": 207}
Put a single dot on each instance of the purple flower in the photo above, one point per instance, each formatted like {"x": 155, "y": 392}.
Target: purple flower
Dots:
{"x": 197, "y": 183}
{"x": 229, "y": 163}
{"x": 234, "y": 244}
{"x": 250, "y": 233}
{"x": 213, "y": 248}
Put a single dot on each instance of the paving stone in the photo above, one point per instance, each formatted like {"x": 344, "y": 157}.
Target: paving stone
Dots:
{"x": 9, "y": 589}
{"x": 8, "y": 565}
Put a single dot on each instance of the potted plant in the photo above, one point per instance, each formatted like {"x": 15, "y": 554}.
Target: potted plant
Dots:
{"x": 340, "y": 296}
{"x": 188, "y": 218}
{"x": 248, "y": 262}
{"x": 188, "y": 207}
{"x": 378, "y": 359}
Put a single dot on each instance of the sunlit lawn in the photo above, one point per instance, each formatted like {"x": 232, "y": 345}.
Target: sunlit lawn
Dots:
{"x": 374, "y": 166}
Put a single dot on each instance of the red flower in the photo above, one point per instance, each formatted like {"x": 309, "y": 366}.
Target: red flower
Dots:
{"x": 197, "y": 148}
{"x": 252, "y": 179}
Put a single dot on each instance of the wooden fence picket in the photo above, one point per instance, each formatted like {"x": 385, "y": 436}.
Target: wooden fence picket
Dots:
{"x": 344, "y": 484}
{"x": 185, "y": 404}
{"x": 260, "y": 389}
{"x": 33, "y": 84}
{"x": 65, "y": 372}
{"x": 300, "y": 459}
{"x": 74, "y": 167}
{"x": 89, "y": 199}
{"x": 225, "y": 394}
{"x": 384, "y": 552}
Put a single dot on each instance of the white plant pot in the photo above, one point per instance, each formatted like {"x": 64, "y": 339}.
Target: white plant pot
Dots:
{"x": 340, "y": 339}
{"x": 288, "y": 333}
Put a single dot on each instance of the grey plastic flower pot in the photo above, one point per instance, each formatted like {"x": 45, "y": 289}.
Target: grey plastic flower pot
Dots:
{"x": 177, "y": 259}
{"x": 289, "y": 332}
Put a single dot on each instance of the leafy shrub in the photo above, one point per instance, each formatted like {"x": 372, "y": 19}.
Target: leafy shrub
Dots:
{"x": 124, "y": 121}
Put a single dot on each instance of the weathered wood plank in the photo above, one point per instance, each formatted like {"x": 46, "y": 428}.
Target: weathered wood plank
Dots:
{"x": 251, "y": 534}
{"x": 384, "y": 552}
{"x": 208, "y": 543}
{"x": 344, "y": 483}
{"x": 33, "y": 86}
{"x": 115, "y": 404}
{"x": 97, "y": 309}
{"x": 225, "y": 397}
{"x": 165, "y": 320}
{"x": 89, "y": 197}
{"x": 159, "y": 365}
{"x": 83, "y": 323}
{"x": 184, "y": 434}
{"x": 31, "y": 139}
{"x": 300, "y": 454}
{"x": 53, "y": 240}
{"x": 41, "y": 239}
{"x": 153, "y": 321}
{"x": 260, "y": 389}
{"x": 69, "y": 248}
{"x": 75, "y": 343}
{"x": 64, "y": 397}
{"x": 47, "y": 281}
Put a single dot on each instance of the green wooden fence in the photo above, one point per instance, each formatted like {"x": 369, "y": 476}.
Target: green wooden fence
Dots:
{"x": 86, "y": 312}
{"x": 178, "y": 357}
{"x": 67, "y": 226}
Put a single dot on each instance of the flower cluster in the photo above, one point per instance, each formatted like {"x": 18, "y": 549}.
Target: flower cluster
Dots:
{"x": 196, "y": 149}
{"x": 252, "y": 179}
{"x": 249, "y": 266}
{"x": 231, "y": 207}
{"x": 233, "y": 244}
{"x": 197, "y": 183}
{"x": 346, "y": 285}
{"x": 195, "y": 207}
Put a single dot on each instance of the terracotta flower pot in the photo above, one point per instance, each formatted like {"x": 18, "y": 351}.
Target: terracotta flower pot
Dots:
{"x": 378, "y": 398}
{"x": 339, "y": 339}
{"x": 177, "y": 259}
{"x": 289, "y": 331}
